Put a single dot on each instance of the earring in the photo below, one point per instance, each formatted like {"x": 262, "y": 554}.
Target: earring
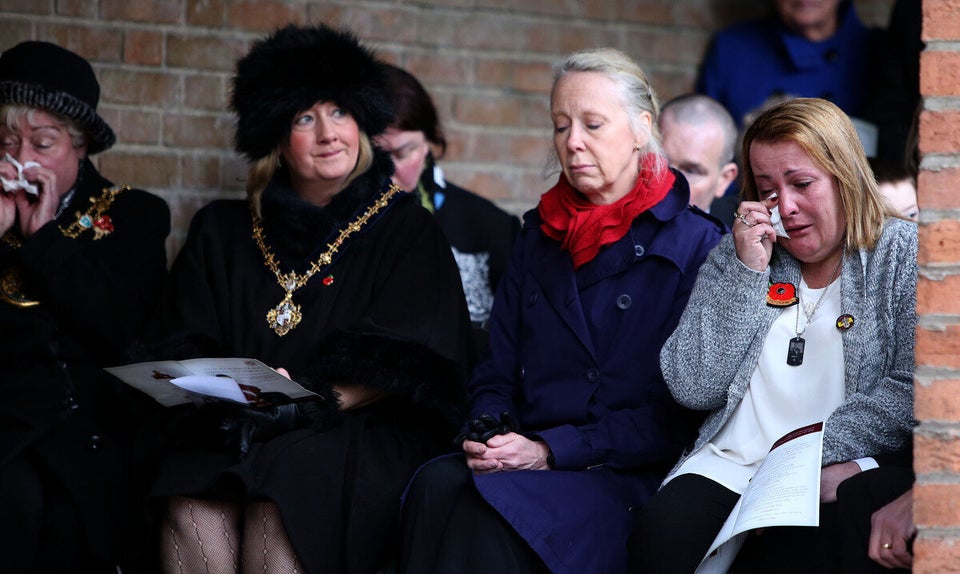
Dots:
{"x": 636, "y": 147}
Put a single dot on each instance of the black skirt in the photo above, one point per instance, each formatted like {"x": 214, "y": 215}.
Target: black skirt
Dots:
{"x": 338, "y": 490}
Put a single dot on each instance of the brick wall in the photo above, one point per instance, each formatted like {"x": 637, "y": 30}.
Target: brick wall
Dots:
{"x": 937, "y": 450}
{"x": 165, "y": 65}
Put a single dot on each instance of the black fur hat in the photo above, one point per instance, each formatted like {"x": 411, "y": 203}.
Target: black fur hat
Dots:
{"x": 293, "y": 69}
{"x": 45, "y": 76}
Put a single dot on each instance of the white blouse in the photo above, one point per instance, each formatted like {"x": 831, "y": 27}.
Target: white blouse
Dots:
{"x": 780, "y": 397}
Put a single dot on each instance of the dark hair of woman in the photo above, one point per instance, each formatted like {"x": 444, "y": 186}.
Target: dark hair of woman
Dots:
{"x": 413, "y": 107}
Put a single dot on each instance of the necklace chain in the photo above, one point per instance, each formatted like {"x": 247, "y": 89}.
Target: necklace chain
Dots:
{"x": 833, "y": 276}
{"x": 286, "y": 315}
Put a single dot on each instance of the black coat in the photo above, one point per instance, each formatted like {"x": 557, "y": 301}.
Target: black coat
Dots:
{"x": 60, "y": 410}
{"x": 388, "y": 313}
{"x": 481, "y": 235}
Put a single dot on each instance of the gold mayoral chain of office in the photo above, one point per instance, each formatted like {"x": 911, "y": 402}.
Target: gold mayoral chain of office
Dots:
{"x": 286, "y": 315}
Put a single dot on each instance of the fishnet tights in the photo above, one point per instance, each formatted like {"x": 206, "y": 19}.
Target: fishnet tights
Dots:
{"x": 215, "y": 537}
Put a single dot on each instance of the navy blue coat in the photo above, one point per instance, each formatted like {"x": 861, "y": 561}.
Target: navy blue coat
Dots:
{"x": 782, "y": 63}
{"x": 574, "y": 354}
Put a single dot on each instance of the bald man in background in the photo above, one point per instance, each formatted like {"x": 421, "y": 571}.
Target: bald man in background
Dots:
{"x": 699, "y": 137}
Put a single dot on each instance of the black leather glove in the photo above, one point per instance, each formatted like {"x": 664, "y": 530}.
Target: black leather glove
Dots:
{"x": 240, "y": 426}
{"x": 485, "y": 427}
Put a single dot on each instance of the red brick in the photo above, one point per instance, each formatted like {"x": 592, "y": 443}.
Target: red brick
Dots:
{"x": 264, "y": 16}
{"x": 444, "y": 101}
{"x": 438, "y": 68}
{"x": 206, "y": 13}
{"x": 936, "y": 132}
{"x": 492, "y": 110}
{"x": 143, "y": 48}
{"x": 12, "y": 32}
{"x": 938, "y": 189}
{"x": 936, "y": 505}
{"x": 495, "y": 72}
{"x": 567, "y": 39}
{"x": 582, "y": 9}
{"x": 536, "y": 114}
{"x": 201, "y": 172}
{"x": 489, "y": 32}
{"x": 939, "y": 73}
{"x": 938, "y": 348}
{"x": 380, "y": 23}
{"x": 198, "y": 131}
{"x": 151, "y": 11}
{"x": 536, "y": 78}
{"x": 515, "y": 149}
{"x": 939, "y": 297}
{"x": 650, "y": 12}
{"x": 655, "y": 47}
{"x": 138, "y": 88}
{"x": 93, "y": 43}
{"x": 144, "y": 170}
{"x": 204, "y": 52}
{"x": 669, "y": 84}
{"x": 941, "y": 20}
{"x": 940, "y": 555}
{"x": 324, "y": 12}
{"x": 136, "y": 126}
{"x": 26, "y": 7}
{"x": 939, "y": 242}
{"x": 205, "y": 92}
{"x": 76, "y": 8}
{"x": 938, "y": 401}
{"x": 934, "y": 454}
{"x": 492, "y": 185}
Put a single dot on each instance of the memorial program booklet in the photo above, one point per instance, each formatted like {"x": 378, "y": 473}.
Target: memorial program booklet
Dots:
{"x": 785, "y": 491}
{"x": 238, "y": 380}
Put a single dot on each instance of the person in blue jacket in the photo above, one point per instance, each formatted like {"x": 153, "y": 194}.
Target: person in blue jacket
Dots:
{"x": 808, "y": 49}
{"x": 573, "y": 425}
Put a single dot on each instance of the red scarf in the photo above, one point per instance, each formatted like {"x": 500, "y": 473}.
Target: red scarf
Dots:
{"x": 582, "y": 228}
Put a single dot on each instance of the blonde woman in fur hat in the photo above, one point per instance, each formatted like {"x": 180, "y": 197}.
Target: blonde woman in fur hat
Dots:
{"x": 331, "y": 272}
{"x": 81, "y": 264}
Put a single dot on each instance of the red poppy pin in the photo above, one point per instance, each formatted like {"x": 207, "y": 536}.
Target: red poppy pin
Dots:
{"x": 328, "y": 280}
{"x": 782, "y": 295}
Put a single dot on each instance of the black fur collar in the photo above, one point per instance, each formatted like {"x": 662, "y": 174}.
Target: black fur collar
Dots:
{"x": 298, "y": 231}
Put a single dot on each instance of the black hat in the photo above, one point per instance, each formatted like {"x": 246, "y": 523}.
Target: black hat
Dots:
{"x": 293, "y": 69}
{"x": 45, "y": 76}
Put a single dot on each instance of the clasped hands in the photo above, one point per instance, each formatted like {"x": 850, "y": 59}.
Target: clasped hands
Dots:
{"x": 494, "y": 445}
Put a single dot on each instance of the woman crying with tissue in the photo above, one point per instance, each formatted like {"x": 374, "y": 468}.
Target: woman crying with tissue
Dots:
{"x": 804, "y": 314}
{"x": 81, "y": 262}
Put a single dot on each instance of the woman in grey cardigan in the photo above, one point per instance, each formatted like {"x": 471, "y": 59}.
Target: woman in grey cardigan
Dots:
{"x": 805, "y": 313}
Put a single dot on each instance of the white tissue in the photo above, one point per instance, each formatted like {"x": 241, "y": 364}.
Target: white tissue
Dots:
{"x": 12, "y": 185}
{"x": 775, "y": 219}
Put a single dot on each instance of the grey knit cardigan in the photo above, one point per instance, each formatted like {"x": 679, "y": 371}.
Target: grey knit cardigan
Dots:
{"x": 710, "y": 358}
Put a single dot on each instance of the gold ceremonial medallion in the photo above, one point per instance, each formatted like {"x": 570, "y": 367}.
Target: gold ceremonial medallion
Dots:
{"x": 11, "y": 289}
{"x": 284, "y": 317}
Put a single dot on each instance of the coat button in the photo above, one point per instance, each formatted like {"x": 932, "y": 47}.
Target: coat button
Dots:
{"x": 624, "y": 301}
{"x": 71, "y": 403}
{"x": 533, "y": 297}
{"x": 93, "y": 443}
{"x": 593, "y": 375}
{"x": 638, "y": 250}
{"x": 523, "y": 373}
